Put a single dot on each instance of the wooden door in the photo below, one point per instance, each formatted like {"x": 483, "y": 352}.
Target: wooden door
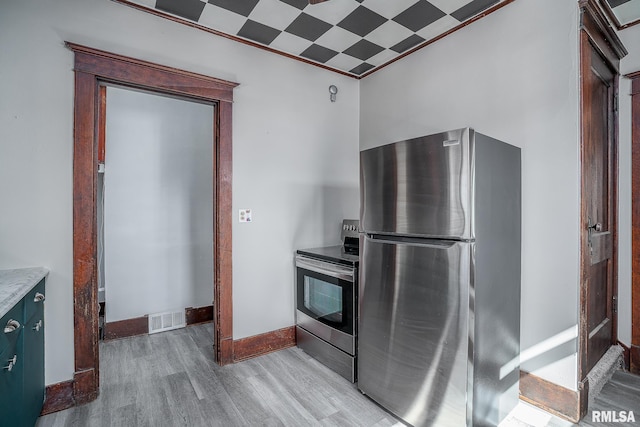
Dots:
{"x": 599, "y": 170}
{"x": 598, "y": 207}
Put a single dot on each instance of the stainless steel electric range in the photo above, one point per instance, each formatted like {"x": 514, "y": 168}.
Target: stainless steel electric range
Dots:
{"x": 327, "y": 302}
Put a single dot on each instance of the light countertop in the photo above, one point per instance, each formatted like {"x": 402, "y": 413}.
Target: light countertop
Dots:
{"x": 16, "y": 283}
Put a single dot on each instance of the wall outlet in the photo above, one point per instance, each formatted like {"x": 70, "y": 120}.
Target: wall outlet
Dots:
{"x": 245, "y": 215}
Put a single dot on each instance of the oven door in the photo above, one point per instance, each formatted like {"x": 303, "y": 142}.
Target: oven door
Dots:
{"x": 325, "y": 301}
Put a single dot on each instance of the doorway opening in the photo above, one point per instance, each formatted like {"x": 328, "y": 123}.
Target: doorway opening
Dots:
{"x": 155, "y": 210}
{"x": 94, "y": 68}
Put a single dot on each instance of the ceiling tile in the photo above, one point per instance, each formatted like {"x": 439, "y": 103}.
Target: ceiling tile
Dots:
{"x": 190, "y": 9}
{"x": 308, "y": 27}
{"x": 241, "y": 7}
{"x": 627, "y": 12}
{"x": 382, "y": 57}
{"x": 289, "y": 43}
{"x": 148, "y": 3}
{"x": 221, "y": 19}
{"x": 406, "y": 44}
{"x": 274, "y": 13}
{"x": 389, "y": 9}
{"x": 388, "y": 34}
{"x": 258, "y": 32}
{"x": 472, "y": 9}
{"x": 364, "y": 50}
{"x": 419, "y": 15}
{"x": 438, "y": 28}
{"x": 338, "y": 39}
{"x": 362, "y": 21}
{"x": 616, "y": 3}
{"x": 332, "y": 11}
{"x": 361, "y": 69}
{"x": 319, "y": 53}
{"x": 300, "y": 4}
{"x": 449, "y": 6}
{"x": 343, "y": 62}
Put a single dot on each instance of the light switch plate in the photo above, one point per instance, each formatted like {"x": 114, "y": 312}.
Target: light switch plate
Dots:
{"x": 245, "y": 215}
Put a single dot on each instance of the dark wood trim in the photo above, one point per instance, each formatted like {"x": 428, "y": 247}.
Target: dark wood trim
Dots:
{"x": 551, "y": 397}
{"x": 140, "y": 325}
{"x": 634, "y": 354}
{"x": 223, "y": 296}
{"x": 102, "y": 122}
{"x": 92, "y": 68}
{"x": 635, "y": 82}
{"x": 268, "y": 342}
{"x": 137, "y": 73}
{"x": 298, "y": 58}
{"x": 197, "y": 315}
{"x": 595, "y": 33}
{"x": 626, "y": 353}
{"x": 86, "y": 385}
{"x": 602, "y": 36}
{"x": 126, "y": 328}
{"x": 428, "y": 42}
{"x": 85, "y": 289}
{"x": 58, "y": 397}
{"x": 634, "y": 359}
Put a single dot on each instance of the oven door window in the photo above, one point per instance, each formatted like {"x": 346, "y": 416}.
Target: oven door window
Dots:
{"x": 326, "y": 299}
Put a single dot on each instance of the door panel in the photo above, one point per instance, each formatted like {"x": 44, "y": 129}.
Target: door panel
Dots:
{"x": 34, "y": 388}
{"x": 414, "y": 329}
{"x": 598, "y": 200}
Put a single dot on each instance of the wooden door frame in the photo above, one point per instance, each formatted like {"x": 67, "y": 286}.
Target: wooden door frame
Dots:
{"x": 595, "y": 33}
{"x": 93, "y": 67}
{"x": 634, "y": 353}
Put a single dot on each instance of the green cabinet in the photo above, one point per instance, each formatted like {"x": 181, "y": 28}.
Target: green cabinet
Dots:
{"x": 22, "y": 360}
{"x": 11, "y": 366}
{"x": 33, "y": 340}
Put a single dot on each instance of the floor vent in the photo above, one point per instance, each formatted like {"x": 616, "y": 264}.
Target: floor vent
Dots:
{"x": 161, "y": 322}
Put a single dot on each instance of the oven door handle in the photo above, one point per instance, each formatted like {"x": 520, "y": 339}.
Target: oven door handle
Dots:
{"x": 326, "y": 268}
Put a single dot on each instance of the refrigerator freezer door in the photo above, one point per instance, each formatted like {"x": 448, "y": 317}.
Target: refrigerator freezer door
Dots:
{"x": 413, "y": 343}
{"x": 419, "y": 187}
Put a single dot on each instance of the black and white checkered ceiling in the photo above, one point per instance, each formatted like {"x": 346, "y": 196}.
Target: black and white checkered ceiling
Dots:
{"x": 352, "y": 36}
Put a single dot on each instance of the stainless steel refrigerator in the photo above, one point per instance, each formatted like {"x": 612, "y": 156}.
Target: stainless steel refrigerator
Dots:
{"x": 439, "y": 308}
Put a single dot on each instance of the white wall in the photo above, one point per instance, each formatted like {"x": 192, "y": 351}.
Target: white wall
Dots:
{"x": 294, "y": 152}
{"x": 514, "y": 76}
{"x": 158, "y": 204}
{"x": 631, "y": 63}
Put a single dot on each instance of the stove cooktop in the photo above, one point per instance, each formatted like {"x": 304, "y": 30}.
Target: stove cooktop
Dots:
{"x": 335, "y": 254}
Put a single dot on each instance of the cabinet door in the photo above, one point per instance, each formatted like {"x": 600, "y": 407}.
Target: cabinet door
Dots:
{"x": 11, "y": 385}
{"x": 34, "y": 356}
{"x": 11, "y": 326}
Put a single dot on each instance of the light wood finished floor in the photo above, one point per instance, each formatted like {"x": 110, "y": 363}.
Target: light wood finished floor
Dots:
{"x": 170, "y": 379}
